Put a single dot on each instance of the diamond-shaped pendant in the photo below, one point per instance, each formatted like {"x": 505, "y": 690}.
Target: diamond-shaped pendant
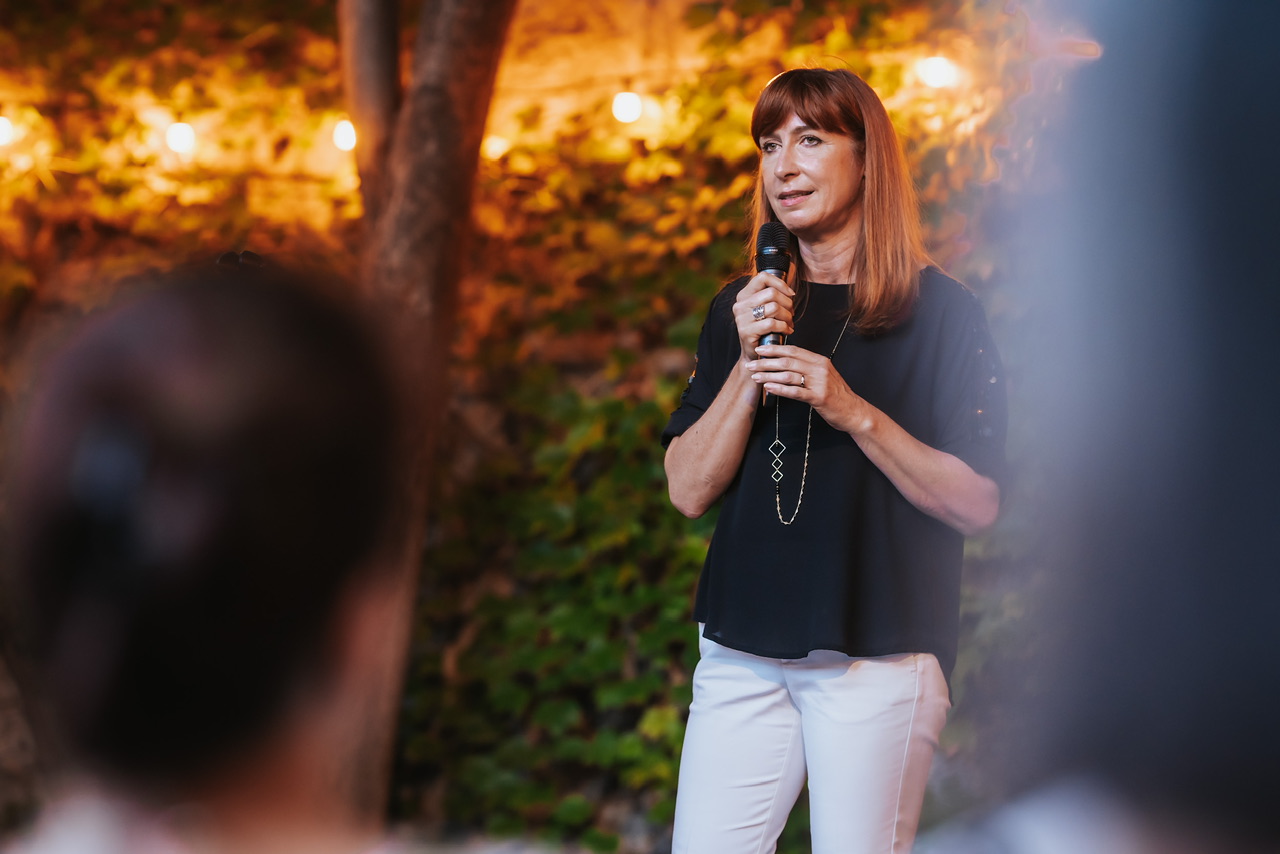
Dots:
{"x": 776, "y": 449}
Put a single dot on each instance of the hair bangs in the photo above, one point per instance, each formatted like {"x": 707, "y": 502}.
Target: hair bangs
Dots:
{"x": 821, "y": 98}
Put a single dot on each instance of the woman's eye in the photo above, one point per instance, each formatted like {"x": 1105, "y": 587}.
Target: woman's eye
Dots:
{"x": 812, "y": 140}
{"x": 769, "y": 147}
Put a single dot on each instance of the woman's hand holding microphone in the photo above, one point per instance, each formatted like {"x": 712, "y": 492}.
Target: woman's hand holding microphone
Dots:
{"x": 765, "y": 305}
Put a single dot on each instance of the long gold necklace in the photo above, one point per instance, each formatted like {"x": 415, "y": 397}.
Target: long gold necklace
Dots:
{"x": 777, "y": 449}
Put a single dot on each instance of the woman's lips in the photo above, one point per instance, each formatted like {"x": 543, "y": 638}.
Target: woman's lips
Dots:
{"x": 793, "y": 197}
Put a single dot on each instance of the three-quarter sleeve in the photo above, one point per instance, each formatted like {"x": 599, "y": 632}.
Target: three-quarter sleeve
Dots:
{"x": 718, "y": 350}
{"x": 971, "y": 399}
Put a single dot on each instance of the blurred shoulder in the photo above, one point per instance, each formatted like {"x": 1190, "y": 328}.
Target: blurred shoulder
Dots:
{"x": 1066, "y": 817}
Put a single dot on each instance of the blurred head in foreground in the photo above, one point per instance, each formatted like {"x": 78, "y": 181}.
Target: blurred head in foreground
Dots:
{"x": 1157, "y": 402}
{"x": 198, "y": 488}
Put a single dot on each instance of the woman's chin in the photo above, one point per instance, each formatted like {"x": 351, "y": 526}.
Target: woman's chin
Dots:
{"x": 795, "y": 221}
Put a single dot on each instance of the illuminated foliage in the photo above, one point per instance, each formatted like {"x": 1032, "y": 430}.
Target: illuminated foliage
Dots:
{"x": 90, "y": 186}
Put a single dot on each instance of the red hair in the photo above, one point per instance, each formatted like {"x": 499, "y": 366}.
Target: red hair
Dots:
{"x": 886, "y": 269}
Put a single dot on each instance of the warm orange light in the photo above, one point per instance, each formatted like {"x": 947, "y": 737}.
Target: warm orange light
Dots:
{"x": 494, "y": 147}
{"x": 627, "y": 107}
{"x": 6, "y": 131}
{"x": 344, "y": 135}
{"x": 938, "y": 72}
{"x": 181, "y": 138}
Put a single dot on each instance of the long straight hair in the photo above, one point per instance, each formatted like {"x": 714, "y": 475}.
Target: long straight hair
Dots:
{"x": 885, "y": 277}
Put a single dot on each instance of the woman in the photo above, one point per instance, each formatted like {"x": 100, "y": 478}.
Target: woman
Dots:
{"x": 829, "y": 600}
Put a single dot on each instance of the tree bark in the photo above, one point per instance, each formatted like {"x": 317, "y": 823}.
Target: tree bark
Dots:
{"x": 413, "y": 263}
{"x": 370, "y": 47}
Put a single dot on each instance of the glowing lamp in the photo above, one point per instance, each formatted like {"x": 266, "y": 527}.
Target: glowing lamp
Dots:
{"x": 938, "y": 72}
{"x": 181, "y": 138}
{"x": 6, "y": 131}
{"x": 494, "y": 147}
{"x": 344, "y": 135}
{"x": 627, "y": 107}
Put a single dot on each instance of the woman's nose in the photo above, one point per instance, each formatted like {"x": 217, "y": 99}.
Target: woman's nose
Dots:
{"x": 784, "y": 165}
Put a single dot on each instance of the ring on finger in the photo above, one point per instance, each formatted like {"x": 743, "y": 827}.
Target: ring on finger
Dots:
{"x": 802, "y": 381}
{"x": 758, "y": 312}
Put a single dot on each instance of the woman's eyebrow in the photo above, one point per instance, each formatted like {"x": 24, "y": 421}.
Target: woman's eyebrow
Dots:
{"x": 798, "y": 129}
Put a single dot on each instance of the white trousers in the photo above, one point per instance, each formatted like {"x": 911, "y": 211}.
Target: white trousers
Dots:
{"x": 862, "y": 729}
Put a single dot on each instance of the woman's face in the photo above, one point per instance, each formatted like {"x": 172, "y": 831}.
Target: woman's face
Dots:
{"x": 813, "y": 180}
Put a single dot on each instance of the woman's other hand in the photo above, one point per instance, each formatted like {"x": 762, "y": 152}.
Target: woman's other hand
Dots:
{"x": 803, "y": 375}
{"x": 939, "y": 484}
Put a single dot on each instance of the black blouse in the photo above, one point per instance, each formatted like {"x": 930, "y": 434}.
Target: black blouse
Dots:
{"x": 861, "y": 570}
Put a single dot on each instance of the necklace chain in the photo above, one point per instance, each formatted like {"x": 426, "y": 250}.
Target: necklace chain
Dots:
{"x": 778, "y": 448}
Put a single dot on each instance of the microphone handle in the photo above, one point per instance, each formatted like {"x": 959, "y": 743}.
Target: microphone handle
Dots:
{"x": 772, "y": 338}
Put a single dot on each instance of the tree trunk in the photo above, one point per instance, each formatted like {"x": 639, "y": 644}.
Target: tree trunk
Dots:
{"x": 413, "y": 263}
{"x": 371, "y": 75}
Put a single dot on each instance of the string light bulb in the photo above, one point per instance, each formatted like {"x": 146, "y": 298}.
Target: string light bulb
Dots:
{"x": 938, "y": 72}
{"x": 494, "y": 147}
{"x": 181, "y": 138}
{"x": 344, "y": 135}
{"x": 627, "y": 107}
{"x": 6, "y": 131}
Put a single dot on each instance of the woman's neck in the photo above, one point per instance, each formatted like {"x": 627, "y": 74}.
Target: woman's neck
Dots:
{"x": 287, "y": 797}
{"x": 832, "y": 259}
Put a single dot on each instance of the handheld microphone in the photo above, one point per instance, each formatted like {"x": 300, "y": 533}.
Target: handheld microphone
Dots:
{"x": 773, "y": 255}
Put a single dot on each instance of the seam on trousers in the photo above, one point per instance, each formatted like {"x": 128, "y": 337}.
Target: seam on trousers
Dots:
{"x": 773, "y": 802}
{"x": 906, "y": 751}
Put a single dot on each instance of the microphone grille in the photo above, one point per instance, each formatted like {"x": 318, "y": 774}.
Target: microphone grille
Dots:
{"x": 773, "y": 235}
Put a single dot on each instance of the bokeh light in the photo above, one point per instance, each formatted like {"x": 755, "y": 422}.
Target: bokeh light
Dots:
{"x": 344, "y": 135}
{"x": 627, "y": 107}
{"x": 6, "y": 131}
{"x": 180, "y": 137}
{"x": 494, "y": 147}
{"x": 938, "y": 72}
